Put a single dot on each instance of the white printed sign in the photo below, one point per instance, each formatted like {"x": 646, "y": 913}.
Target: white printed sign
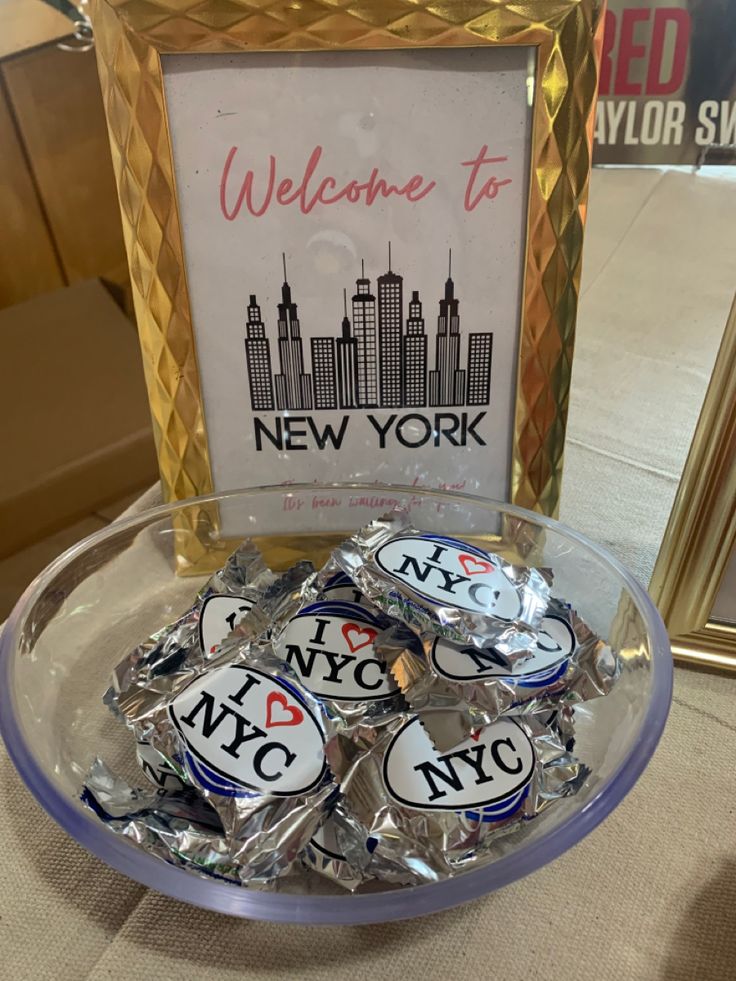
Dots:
{"x": 354, "y": 232}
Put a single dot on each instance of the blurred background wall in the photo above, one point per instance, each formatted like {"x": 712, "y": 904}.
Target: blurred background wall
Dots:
{"x": 75, "y": 438}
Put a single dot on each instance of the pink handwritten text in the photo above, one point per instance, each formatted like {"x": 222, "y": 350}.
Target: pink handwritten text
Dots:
{"x": 310, "y": 190}
{"x": 492, "y": 185}
{"x": 255, "y": 195}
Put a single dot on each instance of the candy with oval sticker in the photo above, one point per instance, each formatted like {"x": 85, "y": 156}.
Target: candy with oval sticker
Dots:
{"x": 325, "y": 852}
{"x": 329, "y": 646}
{"x": 204, "y": 777}
{"x": 555, "y": 643}
{"x": 493, "y": 765}
{"x": 157, "y": 768}
{"x": 251, "y": 730}
{"x": 324, "y": 840}
{"x": 219, "y": 615}
{"x": 451, "y": 573}
{"x": 342, "y": 587}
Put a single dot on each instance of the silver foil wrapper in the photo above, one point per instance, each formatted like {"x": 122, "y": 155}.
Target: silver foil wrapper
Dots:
{"x": 243, "y": 732}
{"x": 271, "y": 610}
{"x": 193, "y": 639}
{"x": 325, "y": 851}
{"x": 331, "y": 583}
{"x": 454, "y": 689}
{"x": 179, "y": 827}
{"x": 445, "y": 586}
{"x": 253, "y": 627}
{"x": 431, "y": 815}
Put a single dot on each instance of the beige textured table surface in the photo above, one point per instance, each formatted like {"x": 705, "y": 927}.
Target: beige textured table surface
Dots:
{"x": 651, "y": 894}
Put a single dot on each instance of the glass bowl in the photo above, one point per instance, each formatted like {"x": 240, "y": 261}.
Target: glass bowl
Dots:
{"x": 106, "y": 594}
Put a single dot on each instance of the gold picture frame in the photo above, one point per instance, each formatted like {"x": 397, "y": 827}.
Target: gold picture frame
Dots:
{"x": 701, "y": 534}
{"x": 131, "y": 36}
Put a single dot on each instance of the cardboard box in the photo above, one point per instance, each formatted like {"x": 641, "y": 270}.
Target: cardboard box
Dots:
{"x": 61, "y": 218}
{"x": 76, "y": 427}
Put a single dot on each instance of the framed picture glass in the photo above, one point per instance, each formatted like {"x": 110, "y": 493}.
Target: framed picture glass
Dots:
{"x": 724, "y": 605}
{"x": 694, "y": 581}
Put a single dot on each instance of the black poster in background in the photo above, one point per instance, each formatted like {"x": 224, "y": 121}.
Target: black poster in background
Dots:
{"x": 668, "y": 83}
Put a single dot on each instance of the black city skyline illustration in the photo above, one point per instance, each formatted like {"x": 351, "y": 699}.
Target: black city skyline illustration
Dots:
{"x": 379, "y": 359}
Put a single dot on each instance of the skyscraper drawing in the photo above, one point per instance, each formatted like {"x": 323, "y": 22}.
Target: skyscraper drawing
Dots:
{"x": 323, "y": 373}
{"x": 258, "y": 359}
{"x": 390, "y": 354}
{"x": 293, "y": 386}
{"x": 447, "y": 381}
{"x": 364, "y": 330}
{"x": 415, "y": 356}
{"x": 378, "y": 359}
{"x": 347, "y": 363}
{"x": 480, "y": 351}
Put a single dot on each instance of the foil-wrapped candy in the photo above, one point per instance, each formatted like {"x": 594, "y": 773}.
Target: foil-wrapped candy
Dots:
{"x": 250, "y": 739}
{"x": 446, "y": 586}
{"x": 327, "y": 642}
{"x": 193, "y": 638}
{"x": 455, "y": 689}
{"x": 298, "y": 727}
{"x": 325, "y": 852}
{"x": 178, "y": 826}
{"x": 331, "y": 583}
{"x": 432, "y": 815}
{"x": 329, "y": 645}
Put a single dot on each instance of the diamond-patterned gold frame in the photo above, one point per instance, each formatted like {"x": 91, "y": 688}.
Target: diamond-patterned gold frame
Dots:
{"x": 131, "y": 35}
{"x": 701, "y": 533}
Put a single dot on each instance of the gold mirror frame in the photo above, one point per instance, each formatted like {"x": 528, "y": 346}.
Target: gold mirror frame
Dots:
{"x": 701, "y": 533}
{"x": 131, "y": 36}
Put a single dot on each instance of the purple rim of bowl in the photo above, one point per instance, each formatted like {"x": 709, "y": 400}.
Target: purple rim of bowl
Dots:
{"x": 371, "y": 907}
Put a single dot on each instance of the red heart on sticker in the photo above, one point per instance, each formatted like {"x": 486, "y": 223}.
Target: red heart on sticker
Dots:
{"x": 475, "y": 735}
{"x": 473, "y": 566}
{"x": 280, "y": 713}
{"x": 357, "y": 637}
